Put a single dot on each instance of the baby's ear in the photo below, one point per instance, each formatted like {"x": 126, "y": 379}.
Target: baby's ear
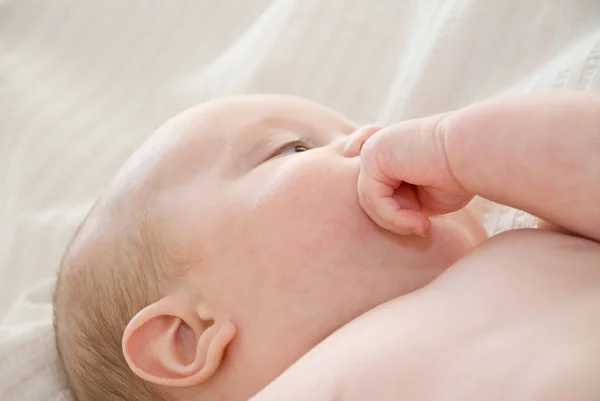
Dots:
{"x": 170, "y": 343}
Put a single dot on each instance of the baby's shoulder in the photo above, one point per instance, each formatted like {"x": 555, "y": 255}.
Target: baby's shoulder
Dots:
{"x": 521, "y": 274}
{"x": 532, "y": 257}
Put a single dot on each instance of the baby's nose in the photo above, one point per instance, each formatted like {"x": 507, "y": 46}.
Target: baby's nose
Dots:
{"x": 353, "y": 143}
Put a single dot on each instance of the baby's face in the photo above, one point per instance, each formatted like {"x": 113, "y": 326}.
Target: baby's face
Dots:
{"x": 259, "y": 193}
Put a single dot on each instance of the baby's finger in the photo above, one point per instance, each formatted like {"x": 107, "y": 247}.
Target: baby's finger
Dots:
{"x": 377, "y": 200}
{"x": 359, "y": 137}
{"x": 401, "y": 221}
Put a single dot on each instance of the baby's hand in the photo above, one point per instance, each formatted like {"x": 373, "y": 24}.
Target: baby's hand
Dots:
{"x": 405, "y": 176}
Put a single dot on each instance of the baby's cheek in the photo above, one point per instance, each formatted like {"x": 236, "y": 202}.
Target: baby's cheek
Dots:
{"x": 322, "y": 204}
{"x": 307, "y": 208}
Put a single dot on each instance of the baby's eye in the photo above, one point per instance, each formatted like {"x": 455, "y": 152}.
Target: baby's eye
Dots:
{"x": 297, "y": 149}
{"x": 293, "y": 147}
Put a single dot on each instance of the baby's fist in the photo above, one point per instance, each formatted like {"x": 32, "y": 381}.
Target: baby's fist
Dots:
{"x": 405, "y": 176}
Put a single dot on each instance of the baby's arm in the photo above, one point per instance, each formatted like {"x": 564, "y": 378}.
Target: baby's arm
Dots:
{"x": 538, "y": 153}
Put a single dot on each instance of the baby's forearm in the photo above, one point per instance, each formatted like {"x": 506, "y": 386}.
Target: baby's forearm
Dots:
{"x": 538, "y": 153}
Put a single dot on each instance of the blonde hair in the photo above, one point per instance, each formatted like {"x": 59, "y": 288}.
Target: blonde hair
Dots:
{"x": 105, "y": 278}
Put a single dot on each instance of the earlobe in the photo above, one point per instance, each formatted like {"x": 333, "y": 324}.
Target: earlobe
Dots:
{"x": 170, "y": 343}
{"x": 211, "y": 351}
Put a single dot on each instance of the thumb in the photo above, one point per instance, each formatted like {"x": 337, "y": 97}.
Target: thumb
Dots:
{"x": 413, "y": 150}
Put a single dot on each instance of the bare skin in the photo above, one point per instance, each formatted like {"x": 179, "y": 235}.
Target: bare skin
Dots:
{"x": 518, "y": 318}
{"x": 256, "y": 195}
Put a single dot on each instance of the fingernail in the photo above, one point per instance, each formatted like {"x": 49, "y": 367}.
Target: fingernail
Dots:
{"x": 420, "y": 233}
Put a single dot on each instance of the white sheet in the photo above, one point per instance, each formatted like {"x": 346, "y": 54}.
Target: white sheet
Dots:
{"x": 82, "y": 83}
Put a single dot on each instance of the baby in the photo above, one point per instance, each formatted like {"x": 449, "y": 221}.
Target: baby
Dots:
{"x": 518, "y": 318}
{"x": 234, "y": 241}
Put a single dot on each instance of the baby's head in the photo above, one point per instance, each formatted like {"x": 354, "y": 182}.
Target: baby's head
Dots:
{"x": 230, "y": 244}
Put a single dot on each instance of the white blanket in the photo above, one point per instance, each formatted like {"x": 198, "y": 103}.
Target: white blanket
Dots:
{"x": 82, "y": 83}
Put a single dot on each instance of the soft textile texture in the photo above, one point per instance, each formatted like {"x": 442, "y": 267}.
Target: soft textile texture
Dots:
{"x": 83, "y": 83}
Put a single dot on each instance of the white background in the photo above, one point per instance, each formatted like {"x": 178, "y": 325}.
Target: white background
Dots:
{"x": 83, "y": 83}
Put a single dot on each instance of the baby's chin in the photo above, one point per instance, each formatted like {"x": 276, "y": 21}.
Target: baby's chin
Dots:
{"x": 457, "y": 233}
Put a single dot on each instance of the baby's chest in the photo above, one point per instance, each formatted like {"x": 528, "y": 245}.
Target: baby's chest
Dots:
{"x": 518, "y": 319}
{"x": 527, "y": 323}
{"x": 481, "y": 353}
{"x": 551, "y": 357}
